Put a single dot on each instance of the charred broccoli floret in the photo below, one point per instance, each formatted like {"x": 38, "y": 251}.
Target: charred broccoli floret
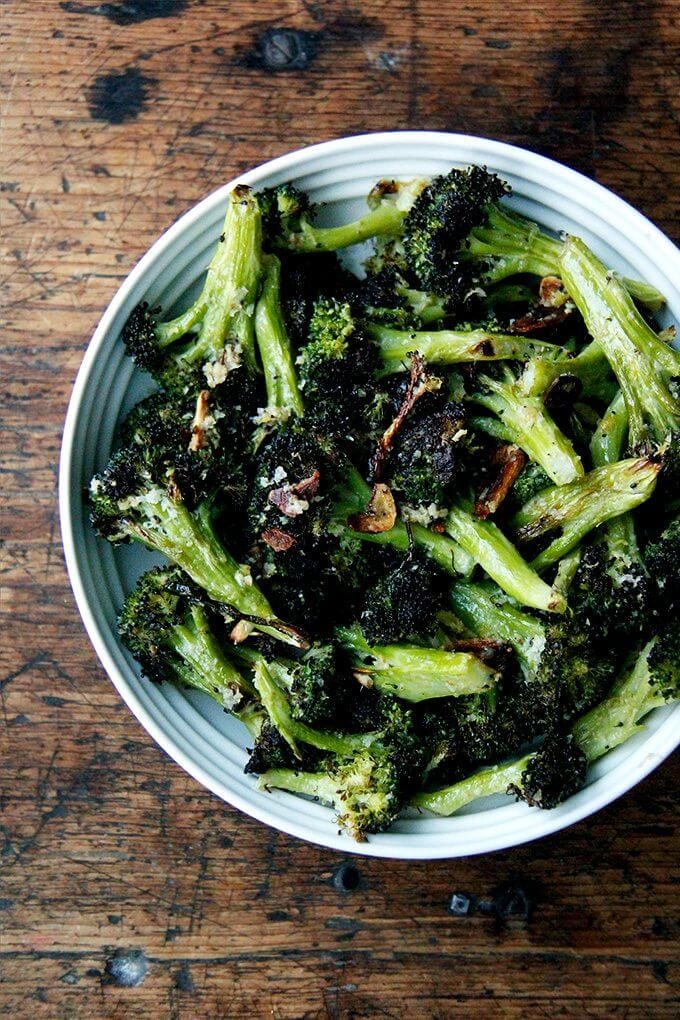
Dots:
{"x": 165, "y": 624}
{"x": 653, "y": 681}
{"x": 544, "y": 779}
{"x": 662, "y": 559}
{"x": 457, "y": 237}
{"x": 403, "y": 602}
{"x": 337, "y": 372}
{"x": 215, "y": 334}
{"x": 565, "y": 667}
{"x": 304, "y": 280}
{"x": 429, "y": 453}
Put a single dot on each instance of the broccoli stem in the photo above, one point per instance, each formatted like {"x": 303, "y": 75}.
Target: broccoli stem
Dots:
{"x": 486, "y": 612}
{"x": 386, "y": 218}
{"x": 496, "y": 554}
{"x": 208, "y": 670}
{"x": 414, "y": 673}
{"x": 589, "y": 366}
{"x": 515, "y": 245}
{"x": 230, "y": 289}
{"x": 170, "y": 332}
{"x": 530, "y": 426}
{"x": 277, "y": 707}
{"x": 583, "y": 505}
{"x": 319, "y": 785}
{"x": 616, "y": 718}
{"x": 492, "y": 780}
{"x": 274, "y": 344}
{"x": 449, "y": 347}
{"x": 609, "y": 437}
{"x": 189, "y": 540}
{"x": 642, "y": 363}
{"x": 354, "y": 496}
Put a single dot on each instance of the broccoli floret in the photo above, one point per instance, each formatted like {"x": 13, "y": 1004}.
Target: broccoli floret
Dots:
{"x": 646, "y": 368}
{"x": 363, "y": 790}
{"x": 564, "y": 666}
{"x": 201, "y": 441}
{"x": 130, "y": 501}
{"x": 368, "y": 786}
{"x": 439, "y": 223}
{"x": 553, "y": 774}
{"x": 526, "y": 422}
{"x": 412, "y": 672}
{"x": 582, "y": 505}
{"x": 403, "y": 603}
{"x": 288, "y": 513}
{"x": 305, "y": 279}
{"x": 446, "y": 346}
{"x": 662, "y": 559}
{"x": 338, "y": 367}
{"x": 544, "y": 779}
{"x": 287, "y": 214}
{"x": 215, "y": 335}
{"x": 316, "y": 687}
{"x": 429, "y": 453}
{"x": 612, "y": 588}
{"x": 384, "y": 296}
{"x": 167, "y": 627}
{"x": 457, "y": 237}
{"x": 531, "y": 481}
{"x": 653, "y": 681}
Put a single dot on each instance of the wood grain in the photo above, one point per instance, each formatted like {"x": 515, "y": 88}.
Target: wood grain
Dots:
{"x": 112, "y": 123}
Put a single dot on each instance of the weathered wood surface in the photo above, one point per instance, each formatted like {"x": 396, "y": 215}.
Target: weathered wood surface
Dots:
{"x": 115, "y": 118}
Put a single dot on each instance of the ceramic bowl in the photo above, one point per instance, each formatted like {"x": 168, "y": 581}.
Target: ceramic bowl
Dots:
{"x": 192, "y": 729}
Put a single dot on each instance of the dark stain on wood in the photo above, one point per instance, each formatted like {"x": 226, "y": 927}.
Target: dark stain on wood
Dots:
{"x": 119, "y": 96}
{"x": 128, "y": 12}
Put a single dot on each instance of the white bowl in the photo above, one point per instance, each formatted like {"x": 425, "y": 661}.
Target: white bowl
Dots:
{"x": 191, "y": 728}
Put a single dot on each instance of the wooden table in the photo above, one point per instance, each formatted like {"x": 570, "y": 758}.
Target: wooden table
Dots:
{"x": 117, "y": 117}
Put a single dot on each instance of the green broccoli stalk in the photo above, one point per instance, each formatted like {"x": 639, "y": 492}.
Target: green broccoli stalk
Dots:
{"x": 216, "y": 333}
{"x": 495, "y": 553}
{"x": 166, "y": 627}
{"x": 414, "y": 673}
{"x": 287, "y": 214}
{"x": 644, "y": 365}
{"x": 589, "y": 366}
{"x": 526, "y": 422}
{"x": 448, "y": 346}
{"x": 362, "y": 789}
{"x": 128, "y": 503}
{"x": 576, "y": 509}
{"x": 283, "y": 396}
{"x": 544, "y": 779}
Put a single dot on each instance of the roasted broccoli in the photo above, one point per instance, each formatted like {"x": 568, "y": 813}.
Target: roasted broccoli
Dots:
{"x": 404, "y": 600}
{"x": 215, "y": 335}
{"x": 287, "y": 214}
{"x": 167, "y": 627}
{"x": 582, "y": 505}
